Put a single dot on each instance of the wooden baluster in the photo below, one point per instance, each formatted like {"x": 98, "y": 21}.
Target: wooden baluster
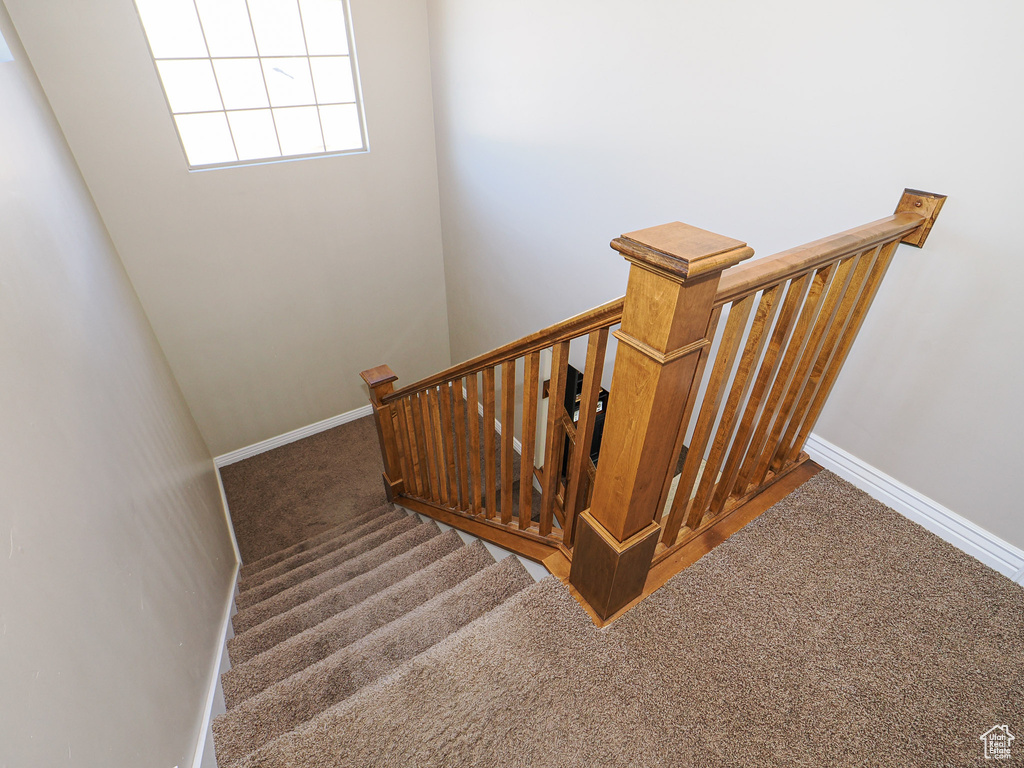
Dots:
{"x": 490, "y": 470}
{"x": 832, "y": 339}
{"x": 473, "y": 413}
{"x": 878, "y": 271}
{"x": 673, "y": 281}
{"x": 555, "y": 435}
{"x": 795, "y": 294}
{"x": 508, "y": 422}
{"x": 459, "y": 414}
{"x": 742, "y": 381}
{"x": 810, "y": 309}
{"x": 380, "y": 381}
{"x": 691, "y": 401}
{"x": 422, "y": 422}
{"x": 531, "y": 366}
{"x": 440, "y": 465}
{"x": 597, "y": 344}
{"x": 434, "y": 458}
{"x": 405, "y": 416}
{"x": 840, "y": 283}
{"x": 408, "y": 463}
{"x": 682, "y": 506}
{"x": 446, "y": 430}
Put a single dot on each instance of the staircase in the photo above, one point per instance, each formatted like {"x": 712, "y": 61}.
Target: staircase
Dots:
{"x": 324, "y": 618}
{"x": 336, "y": 636}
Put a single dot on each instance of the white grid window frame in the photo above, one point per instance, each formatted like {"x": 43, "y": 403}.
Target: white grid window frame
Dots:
{"x": 249, "y": 82}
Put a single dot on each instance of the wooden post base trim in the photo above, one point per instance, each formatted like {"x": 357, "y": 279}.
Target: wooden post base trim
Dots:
{"x": 606, "y": 572}
{"x": 393, "y": 488}
{"x": 663, "y": 358}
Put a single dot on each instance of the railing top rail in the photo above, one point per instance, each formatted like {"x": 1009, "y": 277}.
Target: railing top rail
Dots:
{"x": 736, "y": 282}
{"x": 603, "y": 316}
{"x": 744, "y": 279}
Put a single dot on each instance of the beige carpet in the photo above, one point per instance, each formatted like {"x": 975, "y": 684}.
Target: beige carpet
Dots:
{"x": 291, "y": 493}
{"x": 829, "y": 632}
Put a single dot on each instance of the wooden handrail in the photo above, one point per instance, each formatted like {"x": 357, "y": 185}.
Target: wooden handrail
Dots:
{"x": 748, "y": 278}
{"x": 737, "y": 282}
{"x": 603, "y": 316}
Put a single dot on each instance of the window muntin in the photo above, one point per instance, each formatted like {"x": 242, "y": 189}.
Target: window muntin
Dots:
{"x": 257, "y": 80}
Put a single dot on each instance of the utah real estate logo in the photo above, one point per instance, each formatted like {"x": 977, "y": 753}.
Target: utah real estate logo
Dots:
{"x": 997, "y": 741}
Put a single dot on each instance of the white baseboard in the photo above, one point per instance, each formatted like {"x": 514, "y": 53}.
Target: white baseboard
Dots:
{"x": 203, "y": 749}
{"x": 944, "y": 523}
{"x": 290, "y": 437}
{"x": 517, "y": 446}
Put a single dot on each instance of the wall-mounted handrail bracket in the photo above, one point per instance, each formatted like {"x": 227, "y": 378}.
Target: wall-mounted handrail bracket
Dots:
{"x": 927, "y": 204}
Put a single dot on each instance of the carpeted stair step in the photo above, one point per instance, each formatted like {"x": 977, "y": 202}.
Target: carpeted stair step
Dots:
{"x": 259, "y": 639}
{"x": 248, "y": 569}
{"x": 299, "y": 698}
{"x": 455, "y": 704}
{"x": 321, "y": 550}
{"x": 328, "y": 561}
{"x": 249, "y": 617}
{"x": 249, "y": 678}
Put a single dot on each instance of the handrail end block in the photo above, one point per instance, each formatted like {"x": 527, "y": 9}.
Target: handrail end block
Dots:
{"x": 926, "y": 204}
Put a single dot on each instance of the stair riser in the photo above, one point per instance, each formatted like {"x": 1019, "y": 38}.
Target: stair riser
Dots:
{"x": 325, "y": 563}
{"x": 246, "y": 645}
{"x": 250, "y": 617}
{"x": 321, "y": 550}
{"x": 248, "y": 569}
{"x": 302, "y": 696}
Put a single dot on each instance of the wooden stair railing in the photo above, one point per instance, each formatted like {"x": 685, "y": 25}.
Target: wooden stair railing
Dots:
{"x": 733, "y": 404}
{"x": 440, "y": 447}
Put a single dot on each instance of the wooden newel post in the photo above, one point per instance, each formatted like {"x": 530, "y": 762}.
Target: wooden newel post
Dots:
{"x": 380, "y": 381}
{"x": 672, "y": 285}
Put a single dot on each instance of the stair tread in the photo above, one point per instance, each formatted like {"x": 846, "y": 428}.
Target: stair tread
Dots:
{"x": 264, "y": 636}
{"x": 326, "y": 562}
{"x": 306, "y": 590}
{"x": 255, "y": 566}
{"x": 245, "y": 680}
{"x": 321, "y": 549}
{"x": 302, "y": 696}
{"x": 326, "y": 739}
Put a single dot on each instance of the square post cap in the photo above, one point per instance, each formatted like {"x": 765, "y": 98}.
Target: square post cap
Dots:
{"x": 680, "y": 251}
{"x": 375, "y": 377}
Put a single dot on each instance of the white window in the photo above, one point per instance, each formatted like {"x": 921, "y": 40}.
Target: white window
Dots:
{"x": 250, "y": 81}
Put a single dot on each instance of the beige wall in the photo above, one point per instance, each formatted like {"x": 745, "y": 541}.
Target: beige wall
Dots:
{"x": 561, "y": 125}
{"x": 116, "y": 562}
{"x": 269, "y": 287}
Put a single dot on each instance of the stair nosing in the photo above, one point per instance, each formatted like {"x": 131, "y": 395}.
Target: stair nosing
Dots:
{"x": 246, "y": 585}
{"x": 473, "y": 553}
{"x": 253, "y": 608}
{"x": 446, "y": 538}
{"x": 466, "y": 589}
{"x": 244, "y": 601}
{"x": 247, "y": 568}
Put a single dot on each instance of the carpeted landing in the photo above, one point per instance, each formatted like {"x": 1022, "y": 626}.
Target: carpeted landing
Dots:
{"x": 829, "y": 632}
